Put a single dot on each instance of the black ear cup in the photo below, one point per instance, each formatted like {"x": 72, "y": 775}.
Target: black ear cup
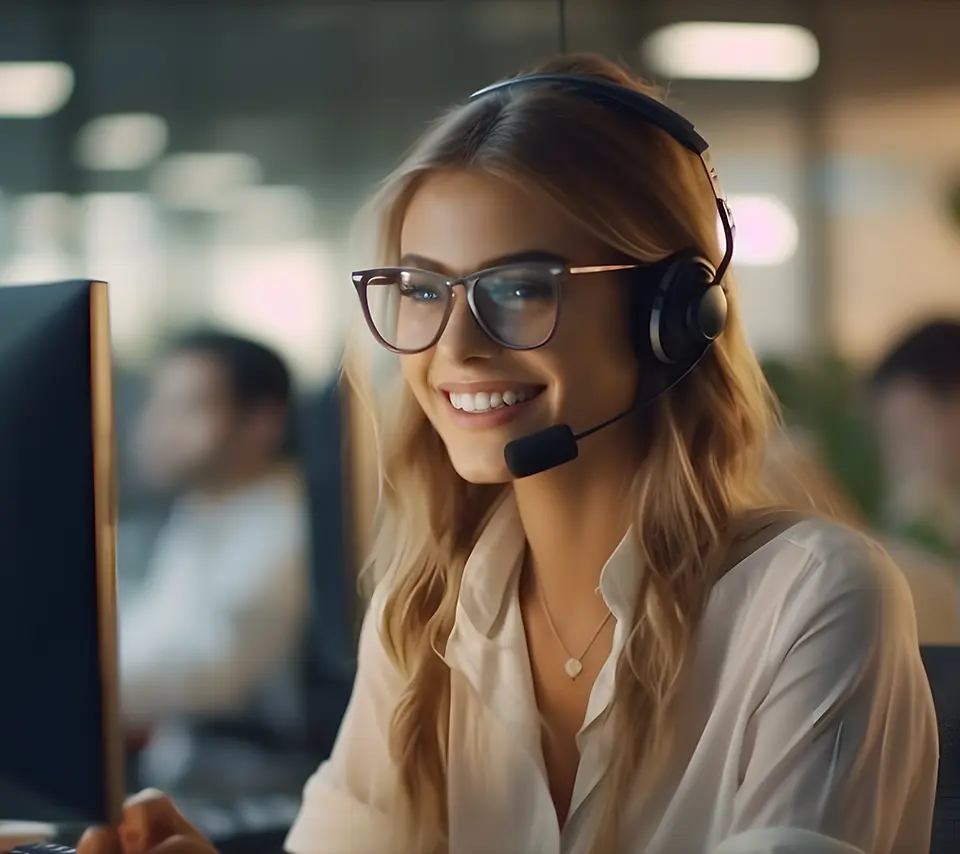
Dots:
{"x": 710, "y": 317}
{"x": 677, "y": 309}
{"x": 687, "y": 310}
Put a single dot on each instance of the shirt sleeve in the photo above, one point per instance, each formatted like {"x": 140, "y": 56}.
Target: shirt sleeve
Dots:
{"x": 347, "y": 803}
{"x": 840, "y": 757}
{"x": 200, "y": 638}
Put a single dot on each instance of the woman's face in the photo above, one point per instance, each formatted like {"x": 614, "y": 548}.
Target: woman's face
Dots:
{"x": 463, "y": 222}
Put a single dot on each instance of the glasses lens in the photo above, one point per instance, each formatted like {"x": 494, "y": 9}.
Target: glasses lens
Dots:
{"x": 407, "y": 307}
{"x": 519, "y": 304}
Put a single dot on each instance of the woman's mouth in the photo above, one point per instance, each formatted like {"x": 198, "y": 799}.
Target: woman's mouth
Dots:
{"x": 490, "y": 408}
{"x": 483, "y": 401}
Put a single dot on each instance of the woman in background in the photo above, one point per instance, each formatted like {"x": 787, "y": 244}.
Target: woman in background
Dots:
{"x": 631, "y": 651}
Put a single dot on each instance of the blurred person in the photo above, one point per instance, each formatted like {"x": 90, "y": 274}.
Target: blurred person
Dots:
{"x": 915, "y": 392}
{"x": 622, "y": 649}
{"x": 211, "y": 645}
{"x": 797, "y": 475}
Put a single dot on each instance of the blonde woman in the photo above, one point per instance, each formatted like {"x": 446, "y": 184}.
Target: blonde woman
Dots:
{"x": 628, "y": 651}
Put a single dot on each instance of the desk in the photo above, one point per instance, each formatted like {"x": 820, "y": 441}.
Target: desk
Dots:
{"x": 13, "y": 833}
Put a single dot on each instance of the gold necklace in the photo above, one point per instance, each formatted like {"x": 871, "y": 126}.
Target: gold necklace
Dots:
{"x": 574, "y": 664}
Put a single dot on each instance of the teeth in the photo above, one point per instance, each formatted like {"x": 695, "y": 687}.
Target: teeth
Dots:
{"x": 483, "y": 401}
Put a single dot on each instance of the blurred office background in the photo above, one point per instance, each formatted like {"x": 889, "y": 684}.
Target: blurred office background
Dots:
{"x": 206, "y": 159}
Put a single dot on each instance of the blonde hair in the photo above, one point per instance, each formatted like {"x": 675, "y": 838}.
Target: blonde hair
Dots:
{"x": 642, "y": 194}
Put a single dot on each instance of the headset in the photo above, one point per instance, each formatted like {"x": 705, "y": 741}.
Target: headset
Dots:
{"x": 682, "y": 307}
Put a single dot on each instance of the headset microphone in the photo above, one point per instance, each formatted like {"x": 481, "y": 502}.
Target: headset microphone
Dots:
{"x": 549, "y": 448}
{"x": 553, "y": 446}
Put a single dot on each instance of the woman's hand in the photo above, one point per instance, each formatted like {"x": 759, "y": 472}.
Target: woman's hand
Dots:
{"x": 151, "y": 824}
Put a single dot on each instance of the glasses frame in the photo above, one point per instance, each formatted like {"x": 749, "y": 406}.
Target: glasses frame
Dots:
{"x": 557, "y": 269}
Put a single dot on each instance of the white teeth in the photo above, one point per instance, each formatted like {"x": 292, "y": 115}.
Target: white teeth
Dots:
{"x": 485, "y": 401}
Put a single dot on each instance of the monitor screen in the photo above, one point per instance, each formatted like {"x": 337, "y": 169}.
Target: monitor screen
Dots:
{"x": 60, "y": 753}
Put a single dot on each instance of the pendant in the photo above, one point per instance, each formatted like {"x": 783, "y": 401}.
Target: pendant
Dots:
{"x": 573, "y": 668}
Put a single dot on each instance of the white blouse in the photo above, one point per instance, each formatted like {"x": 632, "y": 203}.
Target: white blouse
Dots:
{"x": 807, "y": 725}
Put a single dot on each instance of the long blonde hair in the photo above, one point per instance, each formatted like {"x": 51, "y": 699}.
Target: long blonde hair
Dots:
{"x": 645, "y": 196}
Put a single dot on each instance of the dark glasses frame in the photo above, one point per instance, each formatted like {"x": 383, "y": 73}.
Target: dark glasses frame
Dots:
{"x": 363, "y": 279}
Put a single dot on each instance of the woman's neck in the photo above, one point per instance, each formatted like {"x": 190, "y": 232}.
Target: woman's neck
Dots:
{"x": 573, "y": 518}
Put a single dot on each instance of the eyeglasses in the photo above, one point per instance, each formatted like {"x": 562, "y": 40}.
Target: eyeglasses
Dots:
{"x": 516, "y": 305}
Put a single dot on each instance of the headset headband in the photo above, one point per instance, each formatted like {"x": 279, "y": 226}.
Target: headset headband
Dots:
{"x": 654, "y": 112}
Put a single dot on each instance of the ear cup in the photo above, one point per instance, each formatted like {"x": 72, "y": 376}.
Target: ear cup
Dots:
{"x": 710, "y": 317}
{"x": 687, "y": 310}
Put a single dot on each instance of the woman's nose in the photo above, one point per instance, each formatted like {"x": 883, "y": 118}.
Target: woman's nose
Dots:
{"x": 463, "y": 338}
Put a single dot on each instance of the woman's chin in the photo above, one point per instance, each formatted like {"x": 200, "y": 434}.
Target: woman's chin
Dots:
{"x": 480, "y": 465}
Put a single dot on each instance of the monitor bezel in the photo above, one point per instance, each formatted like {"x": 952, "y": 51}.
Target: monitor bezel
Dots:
{"x": 105, "y": 539}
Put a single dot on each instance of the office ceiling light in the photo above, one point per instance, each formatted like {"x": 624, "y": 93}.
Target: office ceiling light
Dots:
{"x": 204, "y": 181}
{"x": 767, "y": 231}
{"x": 702, "y": 50}
{"x": 32, "y": 90}
{"x": 123, "y": 142}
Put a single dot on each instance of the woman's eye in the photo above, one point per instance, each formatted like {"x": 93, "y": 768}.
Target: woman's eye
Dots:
{"x": 419, "y": 293}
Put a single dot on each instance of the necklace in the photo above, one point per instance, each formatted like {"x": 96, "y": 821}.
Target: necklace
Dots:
{"x": 574, "y": 664}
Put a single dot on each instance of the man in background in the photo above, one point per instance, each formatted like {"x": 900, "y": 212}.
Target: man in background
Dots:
{"x": 915, "y": 392}
{"x": 210, "y": 646}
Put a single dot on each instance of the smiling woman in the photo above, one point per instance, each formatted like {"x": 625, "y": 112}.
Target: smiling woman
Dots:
{"x": 538, "y": 621}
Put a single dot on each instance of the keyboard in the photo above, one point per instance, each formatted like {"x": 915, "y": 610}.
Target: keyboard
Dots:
{"x": 43, "y": 848}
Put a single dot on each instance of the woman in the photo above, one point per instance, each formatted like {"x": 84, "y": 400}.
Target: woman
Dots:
{"x": 599, "y": 657}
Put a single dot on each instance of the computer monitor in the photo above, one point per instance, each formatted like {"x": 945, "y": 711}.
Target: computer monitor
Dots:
{"x": 61, "y": 752}
{"x": 942, "y": 664}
